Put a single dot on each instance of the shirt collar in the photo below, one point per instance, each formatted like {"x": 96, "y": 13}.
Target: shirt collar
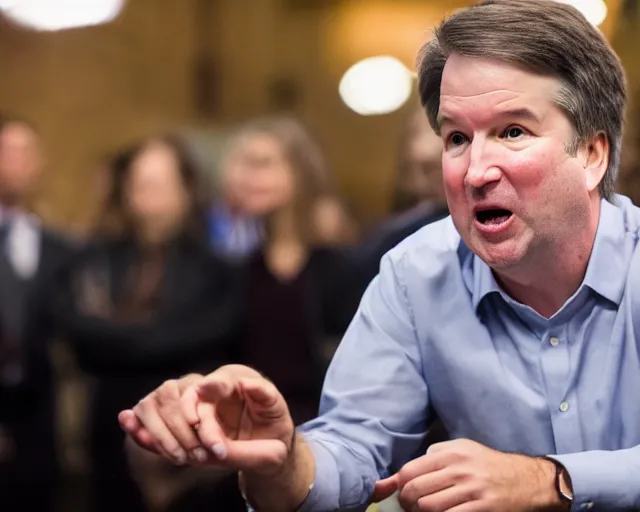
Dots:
{"x": 25, "y": 217}
{"x": 603, "y": 274}
{"x": 484, "y": 283}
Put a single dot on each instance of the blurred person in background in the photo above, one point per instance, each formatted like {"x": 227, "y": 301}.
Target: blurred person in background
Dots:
{"x": 293, "y": 304}
{"x": 420, "y": 171}
{"x": 629, "y": 179}
{"x": 144, "y": 301}
{"x": 234, "y": 232}
{"x": 335, "y": 225}
{"x": 30, "y": 254}
{"x": 419, "y": 178}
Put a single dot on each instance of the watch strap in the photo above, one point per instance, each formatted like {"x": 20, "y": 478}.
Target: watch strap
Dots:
{"x": 561, "y": 475}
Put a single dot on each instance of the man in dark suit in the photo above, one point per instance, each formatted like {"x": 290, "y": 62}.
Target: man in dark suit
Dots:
{"x": 30, "y": 255}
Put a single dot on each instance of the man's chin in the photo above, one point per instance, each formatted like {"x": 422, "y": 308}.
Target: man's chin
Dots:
{"x": 502, "y": 257}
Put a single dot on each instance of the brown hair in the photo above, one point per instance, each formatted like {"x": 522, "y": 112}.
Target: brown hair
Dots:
{"x": 544, "y": 37}
{"x": 304, "y": 156}
{"x": 116, "y": 222}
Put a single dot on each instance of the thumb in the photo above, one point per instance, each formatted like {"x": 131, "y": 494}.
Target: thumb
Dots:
{"x": 264, "y": 401}
{"x": 215, "y": 389}
{"x": 385, "y": 488}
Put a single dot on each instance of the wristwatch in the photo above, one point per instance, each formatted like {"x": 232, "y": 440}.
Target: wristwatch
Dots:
{"x": 563, "y": 484}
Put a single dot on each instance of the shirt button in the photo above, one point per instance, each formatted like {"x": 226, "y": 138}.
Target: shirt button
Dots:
{"x": 588, "y": 505}
{"x": 554, "y": 341}
{"x": 564, "y": 406}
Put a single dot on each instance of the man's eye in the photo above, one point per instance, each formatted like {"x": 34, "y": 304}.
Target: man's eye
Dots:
{"x": 513, "y": 132}
{"x": 457, "y": 139}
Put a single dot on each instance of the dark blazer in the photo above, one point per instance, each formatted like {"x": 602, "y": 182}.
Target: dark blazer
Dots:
{"x": 189, "y": 326}
{"x": 195, "y": 321}
{"x": 28, "y": 409}
{"x": 40, "y": 329}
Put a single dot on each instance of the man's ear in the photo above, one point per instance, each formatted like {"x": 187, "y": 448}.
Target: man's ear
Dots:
{"x": 594, "y": 154}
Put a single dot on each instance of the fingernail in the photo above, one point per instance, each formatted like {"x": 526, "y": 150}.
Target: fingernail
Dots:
{"x": 199, "y": 454}
{"x": 180, "y": 457}
{"x": 219, "y": 450}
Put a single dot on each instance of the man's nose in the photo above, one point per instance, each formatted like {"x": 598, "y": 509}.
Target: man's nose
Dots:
{"x": 482, "y": 168}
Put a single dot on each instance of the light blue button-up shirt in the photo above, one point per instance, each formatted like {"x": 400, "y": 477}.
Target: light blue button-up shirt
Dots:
{"x": 436, "y": 336}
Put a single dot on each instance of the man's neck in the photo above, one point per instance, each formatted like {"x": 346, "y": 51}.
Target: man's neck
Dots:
{"x": 15, "y": 202}
{"x": 546, "y": 283}
{"x": 546, "y": 293}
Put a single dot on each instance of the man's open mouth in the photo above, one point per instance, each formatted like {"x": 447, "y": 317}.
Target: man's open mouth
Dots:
{"x": 493, "y": 216}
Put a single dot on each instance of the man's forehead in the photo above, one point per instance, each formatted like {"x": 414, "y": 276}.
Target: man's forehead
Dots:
{"x": 481, "y": 90}
{"x": 469, "y": 77}
{"x": 18, "y": 132}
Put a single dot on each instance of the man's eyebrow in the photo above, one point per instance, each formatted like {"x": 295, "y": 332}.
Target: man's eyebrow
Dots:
{"x": 521, "y": 113}
{"x": 517, "y": 113}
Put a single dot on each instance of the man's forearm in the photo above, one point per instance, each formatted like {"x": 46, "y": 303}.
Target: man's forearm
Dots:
{"x": 288, "y": 488}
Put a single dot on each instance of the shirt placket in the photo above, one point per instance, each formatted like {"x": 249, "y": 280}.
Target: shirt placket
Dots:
{"x": 555, "y": 363}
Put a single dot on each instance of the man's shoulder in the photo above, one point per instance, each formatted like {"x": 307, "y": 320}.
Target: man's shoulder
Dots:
{"x": 630, "y": 213}
{"x": 429, "y": 248}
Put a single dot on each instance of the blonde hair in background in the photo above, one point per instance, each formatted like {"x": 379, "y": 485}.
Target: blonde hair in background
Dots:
{"x": 305, "y": 158}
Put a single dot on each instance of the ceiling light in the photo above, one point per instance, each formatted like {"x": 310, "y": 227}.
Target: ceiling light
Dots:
{"x": 594, "y": 10}
{"x": 53, "y": 15}
{"x": 376, "y": 86}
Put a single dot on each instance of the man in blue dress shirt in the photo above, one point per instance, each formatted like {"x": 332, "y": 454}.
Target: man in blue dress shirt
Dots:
{"x": 513, "y": 320}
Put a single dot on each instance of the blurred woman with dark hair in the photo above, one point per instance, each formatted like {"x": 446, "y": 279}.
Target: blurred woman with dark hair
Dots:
{"x": 292, "y": 303}
{"x": 146, "y": 300}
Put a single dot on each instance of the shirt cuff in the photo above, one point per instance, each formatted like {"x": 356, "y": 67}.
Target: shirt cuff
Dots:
{"x": 603, "y": 480}
{"x": 325, "y": 492}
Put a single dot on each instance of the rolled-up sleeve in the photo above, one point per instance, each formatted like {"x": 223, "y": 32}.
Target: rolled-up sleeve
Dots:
{"x": 604, "y": 480}
{"x": 374, "y": 406}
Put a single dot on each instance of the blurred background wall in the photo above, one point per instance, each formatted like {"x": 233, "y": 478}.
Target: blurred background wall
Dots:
{"x": 205, "y": 64}
{"x": 93, "y": 84}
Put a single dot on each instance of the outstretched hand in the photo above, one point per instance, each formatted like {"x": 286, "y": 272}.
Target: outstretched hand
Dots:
{"x": 232, "y": 417}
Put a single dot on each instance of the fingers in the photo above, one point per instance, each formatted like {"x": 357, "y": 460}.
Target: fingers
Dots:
{"x": 431, "y": 484}
{"x": 216, "y": 388}
{"x": 384, "y": 489}
{"x": 470, "y": 506}
{"x": 136, "y": 431}
{"x": 188, "y": 381}
{"x": 434, "y": 461}
{"x": 160, "y": 413}
{"x": 164, "y": 440}
{"x": 129, "y": 421}
{"x": 264, "y": 402}
{"x": 168, "y": 403}
{"x": 443, "y": 501}
{"x": 209, "y": 419}
{"x": 189, "y": 405}
{"x": 222, "y": 383}
{"x": 239, "y": 406}
{"x": 209, "y": 431}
